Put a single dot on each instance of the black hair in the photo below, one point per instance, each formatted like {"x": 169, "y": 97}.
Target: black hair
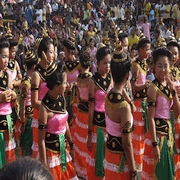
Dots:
{"x": 120, "y": 69}
{"x": 21, "y": 47}
{"x": 173, "y": 44}
{"x": 157, "y": 31}
{"x": 102, "y": 52}
{"x": 93, "y": 40}
{"x": 161, "y": 52}
{"x": 56, "y": 78}
{"x": 12, "y": 43}
{"x": 44, "y": 46}
{"x": 142, "y": 43}
{"x": 121, "y": 36}
{"x": 68, "y": 45}
{"x": 134, "y": 46}
{"x": 85, "y": 59}
{"x": 25, "y": 168}
{"x": 4, "y": 44}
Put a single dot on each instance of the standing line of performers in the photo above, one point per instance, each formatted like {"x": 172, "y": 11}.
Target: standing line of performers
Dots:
{"x": 106, "y": 125}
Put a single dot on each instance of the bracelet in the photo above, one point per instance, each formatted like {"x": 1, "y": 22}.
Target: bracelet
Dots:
{"x": 71, "y": 145}
{"x": 134, "y": 173}
{"x": 89, "y": 132}
{"x": 154, "y": 144}
{"x": 173, "y": 92}
{"x": 131, "y": 103}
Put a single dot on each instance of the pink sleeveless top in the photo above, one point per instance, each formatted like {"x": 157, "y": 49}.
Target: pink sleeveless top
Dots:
{"x": 141, "y": 78}
{"x": 99, "y": 105}
{"x": 5, "y": 108}
{"x": 12, "y": 74}
{"x": 28, "y": 99}
{"x": 72, "y": 77}
{"x": 57, "y": 124}
{"x": 42, "y": 90}
{"x": 163, "y": 108}
{"x": 114, "y": 128}
{"x": 83, "y": 93}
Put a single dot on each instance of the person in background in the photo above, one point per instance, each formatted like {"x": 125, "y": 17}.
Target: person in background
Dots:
{"x": 21, "y": 56}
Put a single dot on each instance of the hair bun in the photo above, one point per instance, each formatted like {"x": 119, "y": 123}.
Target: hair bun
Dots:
{"x": 30, "y": 56}
{"x": 86, "y": 55}
{"x": 118, "y": 55}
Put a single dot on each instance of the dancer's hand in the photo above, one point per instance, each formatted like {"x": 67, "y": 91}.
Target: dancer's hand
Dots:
{"x": 89, "y": 142}
{"x": 156, "y": 154}
{"x": 170, "y": 83}
{"x": 6, "y": 96}
{"x": 72, "y": 153}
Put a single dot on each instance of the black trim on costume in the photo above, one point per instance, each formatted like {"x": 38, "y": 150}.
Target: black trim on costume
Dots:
{"x": 4, "y": 81}
{"x": 41, "y": 72}
{"x": 54, "y": 105}
{"x": 70, "y": 66}
{"x": 99, "y": 119}
{"x": 11, "y": 65}
{"x": 83, "y": 106}
{"x": 102, "y": 83}
{"x": 114, "y": 144}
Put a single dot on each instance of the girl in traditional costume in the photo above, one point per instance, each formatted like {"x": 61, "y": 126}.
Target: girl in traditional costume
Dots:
{"x": 7, "y": 142}
{"x": 99, "y": 85}
{"x": 119, "y": 159}
{"x": 26, "y": 110}
{"x": 175, "y": 49}
{"x": 139, "y": 86}
{"x": 159, "y": 141}
{"x": 54, "y": 128}
{"x": 72, "y": 72}
{"x": 38, "y": 86}
{"x": 80, "y": 135}
{"x": 14, "y": 72}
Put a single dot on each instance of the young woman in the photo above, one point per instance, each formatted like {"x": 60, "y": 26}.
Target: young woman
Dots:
{"x": 175, "y": 49}
{"x": 139, "y": 86}
{"x": 80, "y": 135}
{"x": 7, "y": 142}
{"x": 159, "y": 139}
{"x": 72, "y": 72}
{"x": 99, "y": 85}
{"x": 14, "y": 72}
{"x": 38, "y": 86}
{"x": 26, "y": 110}
{"x": 54, "y": 128}
{"x": 119, "y": 122}
{"x": 93, "y": 51}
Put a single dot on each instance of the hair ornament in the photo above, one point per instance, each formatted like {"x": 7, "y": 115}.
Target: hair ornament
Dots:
{"x": 51, "y": 68}
{"x": 118, "y": 55}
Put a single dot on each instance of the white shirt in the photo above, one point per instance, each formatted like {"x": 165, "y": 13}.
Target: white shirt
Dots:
{"x": 166, "y": 34}
{"x": 121, "y": 13}
{"x": 39, "y": 17}
{"x": 54, "y": 7}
